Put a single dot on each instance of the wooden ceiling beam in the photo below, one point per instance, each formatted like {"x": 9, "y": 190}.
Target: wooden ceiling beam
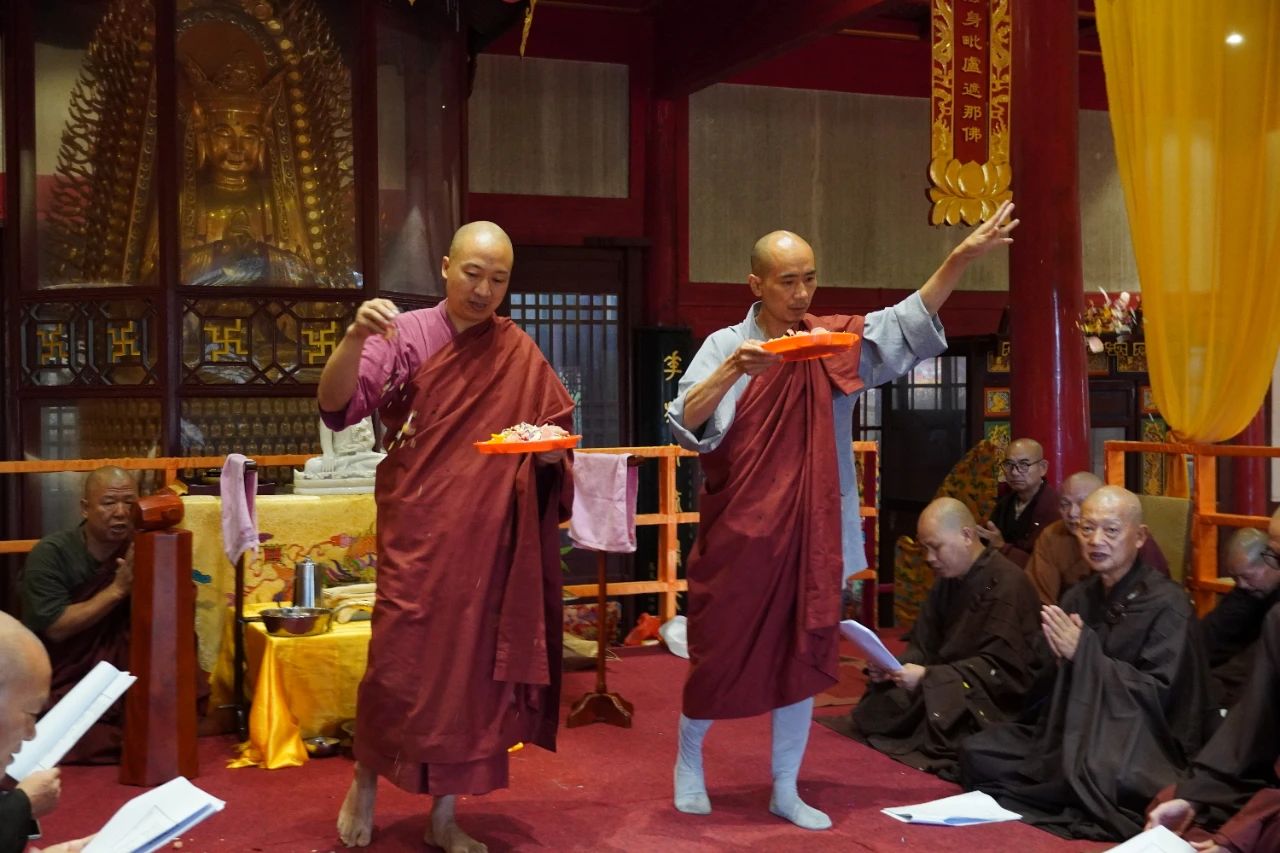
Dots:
{"x": 702, "y": 43}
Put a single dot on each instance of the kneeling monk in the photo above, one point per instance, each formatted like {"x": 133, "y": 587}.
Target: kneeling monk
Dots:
{"x": 464, "y": 661}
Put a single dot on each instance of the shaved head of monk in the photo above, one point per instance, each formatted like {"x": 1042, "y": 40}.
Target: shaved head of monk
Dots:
{"x": 947, "y": 532}
{"x": 1111, "y": 532}
{"x": 24, "y": 685}
{"x": 1251, "y": 560}
{"x": 783, "y": 277}
{"x": 1072, "y": 494}
{"x": 476, "y": 273}
{"x": 107, "y": 508}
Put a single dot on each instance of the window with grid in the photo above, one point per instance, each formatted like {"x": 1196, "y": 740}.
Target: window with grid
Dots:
{"x": 578, "y": 334}
{"x": 869, "y": 418}
{"x": 935, "y": 384}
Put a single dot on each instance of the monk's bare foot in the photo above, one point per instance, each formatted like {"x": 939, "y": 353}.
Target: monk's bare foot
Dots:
{"x": 355, "y": 820}
{"x": 445, "y": 833}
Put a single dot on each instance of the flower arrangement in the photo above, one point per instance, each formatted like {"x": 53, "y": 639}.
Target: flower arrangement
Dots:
{"x": 1120, "y": 316}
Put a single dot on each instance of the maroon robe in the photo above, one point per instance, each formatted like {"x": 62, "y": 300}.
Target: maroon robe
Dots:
{"x": 467, "y": 627}
{"x": 765, "y": 572}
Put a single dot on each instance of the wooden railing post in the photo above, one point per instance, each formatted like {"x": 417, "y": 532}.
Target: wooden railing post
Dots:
{"x": 668, "y": 536}
{"x": 1204, "y": 532}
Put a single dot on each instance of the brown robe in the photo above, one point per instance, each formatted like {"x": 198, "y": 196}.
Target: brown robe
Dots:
{"x": 765, "y": 572}
{"x": 980, "y": 640}
{"x": 1235, "y": 780}
{"x": 1057, "y": 564}
{"x": 1021, "y": 531}
{"x": 1231, "y": 632}
{"x": 1127, "y": 713}
{"x": 60, "y": 572}
{"x": 467, "y": 627}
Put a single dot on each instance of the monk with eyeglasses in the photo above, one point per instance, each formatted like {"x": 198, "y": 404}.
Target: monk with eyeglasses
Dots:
{"x": 1030, "y": 505}
{"x": 1129, "y": 706}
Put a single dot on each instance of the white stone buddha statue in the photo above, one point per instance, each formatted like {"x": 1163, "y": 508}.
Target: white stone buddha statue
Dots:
{"x": 347, "y": 464}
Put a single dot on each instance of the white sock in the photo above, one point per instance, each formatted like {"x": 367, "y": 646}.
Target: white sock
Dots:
{"x": 691, "y": 789}
{"x": 790, "y": 735}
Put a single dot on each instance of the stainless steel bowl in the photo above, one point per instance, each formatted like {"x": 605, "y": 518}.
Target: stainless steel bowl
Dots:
{"x": 296, "y": 621}
{"x": 321, "y": 746}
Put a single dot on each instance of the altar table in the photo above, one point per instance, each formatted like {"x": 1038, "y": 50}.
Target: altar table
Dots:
{"x": 301, "y": 687}
{"x": 336, "y": 531}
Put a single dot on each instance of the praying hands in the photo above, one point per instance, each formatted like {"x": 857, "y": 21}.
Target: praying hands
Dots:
{"x": 1061, "y": 630}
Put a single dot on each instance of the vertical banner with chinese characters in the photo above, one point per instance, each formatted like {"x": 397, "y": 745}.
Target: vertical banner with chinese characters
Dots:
{"x": 969, "y": 172}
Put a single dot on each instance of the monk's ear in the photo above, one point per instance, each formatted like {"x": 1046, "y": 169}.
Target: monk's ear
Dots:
{"x": 1143, "y": 533}
{"x": 444, "y": 267}
{"x": 754, "y": 281}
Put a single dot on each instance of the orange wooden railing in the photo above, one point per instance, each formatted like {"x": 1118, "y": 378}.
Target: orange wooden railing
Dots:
{"x": 1202, "y": 580}
{"x": 667, "y": 519}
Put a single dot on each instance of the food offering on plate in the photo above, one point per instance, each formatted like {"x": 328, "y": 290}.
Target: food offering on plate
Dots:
{"x": 528, "y": 438}
{"x": 802, "y": 344}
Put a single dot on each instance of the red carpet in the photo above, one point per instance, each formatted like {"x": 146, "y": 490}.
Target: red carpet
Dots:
{"x": 608, "y": 789}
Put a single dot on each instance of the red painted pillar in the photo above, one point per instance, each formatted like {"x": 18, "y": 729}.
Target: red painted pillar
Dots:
{"x": 661, "y": 198}
{"x": 1249, "y": 476}
{"x": 1046, "y": 294}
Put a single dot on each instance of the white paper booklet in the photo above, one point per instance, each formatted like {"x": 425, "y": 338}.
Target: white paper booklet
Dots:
{"x": 869, "y": 644}
{"x": 1158, "y": 840}
{"x": 960, "y": 810}
{"x": 151, "y": 820}
{"x": 66, "y": 722}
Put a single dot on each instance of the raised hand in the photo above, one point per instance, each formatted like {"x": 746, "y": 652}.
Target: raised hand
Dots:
{"x": 374, "y": 317}
{"x": 1062, "y": 631}
{"x": 990, "y": 534}
{"x": 123, "y": 581}
{"x": 43, "y": 789}
{"x": 990, "y": 234}
{"x": 1174, "y": 815}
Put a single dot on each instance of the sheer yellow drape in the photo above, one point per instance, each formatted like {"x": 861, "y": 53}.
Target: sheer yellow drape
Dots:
{"x": 1194, "y": 91}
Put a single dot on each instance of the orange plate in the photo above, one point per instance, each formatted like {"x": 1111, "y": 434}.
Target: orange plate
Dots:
{"x": 801, "y": 347}
{"x": 566, "y": 443}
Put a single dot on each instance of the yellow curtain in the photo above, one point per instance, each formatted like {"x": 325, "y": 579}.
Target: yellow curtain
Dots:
{"x": 1194, "y": 91}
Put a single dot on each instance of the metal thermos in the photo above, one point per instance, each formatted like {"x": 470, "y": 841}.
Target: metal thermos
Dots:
{"x": 308, "y": 583}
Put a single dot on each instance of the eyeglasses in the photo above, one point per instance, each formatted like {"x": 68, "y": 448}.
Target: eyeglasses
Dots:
{"x": 1022, "y": 466}
{"x": 1271, "y": 558}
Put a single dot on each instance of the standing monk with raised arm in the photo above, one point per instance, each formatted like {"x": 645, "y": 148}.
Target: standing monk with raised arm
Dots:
{"x": 464, "y": 661}
{"x": 774, "y": 544}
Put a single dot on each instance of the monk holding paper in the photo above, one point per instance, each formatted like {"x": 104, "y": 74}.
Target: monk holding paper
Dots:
{"x": 464, "y": 661}
{"x": 774, "y": 543}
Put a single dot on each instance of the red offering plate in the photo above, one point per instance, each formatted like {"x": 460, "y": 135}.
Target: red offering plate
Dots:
{"x": 567, "y": 443}
{"x": 802, "y": 347}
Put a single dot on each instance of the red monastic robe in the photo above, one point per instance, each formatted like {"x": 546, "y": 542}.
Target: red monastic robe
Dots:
{"x": 464, "y": 661}
{"x": 765, "y": 573}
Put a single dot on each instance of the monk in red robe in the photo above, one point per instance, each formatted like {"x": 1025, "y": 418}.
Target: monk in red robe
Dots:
{"x": 778, "y": 506}
{"x": 76, "y": 586}
{"x": 464, "y": 661}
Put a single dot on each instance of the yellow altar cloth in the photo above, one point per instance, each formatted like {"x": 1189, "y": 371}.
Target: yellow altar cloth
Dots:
{"x": 301, "y": 687}
{"x": 336, "y": 531}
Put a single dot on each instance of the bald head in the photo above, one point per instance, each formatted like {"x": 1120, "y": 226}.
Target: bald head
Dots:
{"x": 476, "y": 273}
{"x": 1111, "y": 532}
{"x": 480, "y": 234}
{"x": 1072, "y": 495}
{"x": 24, "y": 685}
{"x": 1025, "y": 467}
{"x": 775, "y": 246}
{"x": 1243, "y": 561}
{"x": 107, "y": 508}
{"x": 946, "y": 532}
{"x": 105, "y": 477}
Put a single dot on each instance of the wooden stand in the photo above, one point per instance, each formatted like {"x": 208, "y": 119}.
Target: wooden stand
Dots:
{"x": 601, "y": 706}
{"x": 160, "y": 709}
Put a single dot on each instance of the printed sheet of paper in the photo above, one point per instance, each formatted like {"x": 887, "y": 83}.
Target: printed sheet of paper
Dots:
{"x": 66, "y": 722}
{"x": 869, "y": 644}
{"x": 151, "y": 820}
{"x": 1158, "y": 840}
{"x": 960, "y": 810}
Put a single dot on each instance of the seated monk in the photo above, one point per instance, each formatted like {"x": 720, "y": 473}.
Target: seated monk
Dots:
{"x": 1233, "y": 790}
{"x": 1029, "y": 506}
{"x": 1129, "y": 706}
{"x": 1057, "y": 563}
{"x": 973, "y": 654}
{"x": 75, "y": 597}
{"x": 1232, "y": 628}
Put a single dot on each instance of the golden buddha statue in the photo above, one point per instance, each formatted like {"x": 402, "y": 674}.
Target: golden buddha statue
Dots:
{"x": 266, "y": 193}
{"x": 233, "y": 230}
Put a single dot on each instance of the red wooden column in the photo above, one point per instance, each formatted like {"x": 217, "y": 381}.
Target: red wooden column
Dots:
{"x": 1249, "y": 475}
{"x": 662, "y": 171}
{"x": 1046, "y": 295}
